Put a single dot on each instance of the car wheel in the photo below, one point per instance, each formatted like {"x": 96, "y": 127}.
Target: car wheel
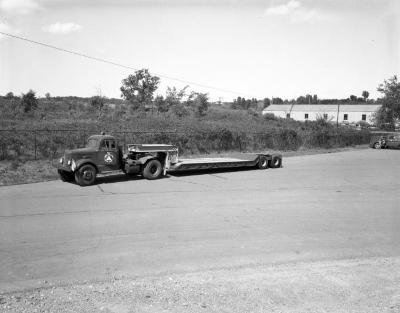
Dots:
{"x": 153, "y": 169}
{"x": 85, "y": 175}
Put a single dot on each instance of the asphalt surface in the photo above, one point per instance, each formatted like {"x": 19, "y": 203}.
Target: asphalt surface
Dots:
{"x": 324, "y": 207}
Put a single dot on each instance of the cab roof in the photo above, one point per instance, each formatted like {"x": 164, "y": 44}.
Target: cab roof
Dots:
{"x": 98, "y": 137}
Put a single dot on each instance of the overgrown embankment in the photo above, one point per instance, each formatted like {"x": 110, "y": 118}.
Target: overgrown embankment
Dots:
{"x": 58, "y": 125}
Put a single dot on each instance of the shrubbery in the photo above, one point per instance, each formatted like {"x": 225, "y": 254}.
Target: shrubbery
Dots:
{"x": 220, "y": 130}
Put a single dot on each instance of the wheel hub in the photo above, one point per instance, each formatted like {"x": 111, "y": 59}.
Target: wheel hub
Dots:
{"x": 87, "y": 175}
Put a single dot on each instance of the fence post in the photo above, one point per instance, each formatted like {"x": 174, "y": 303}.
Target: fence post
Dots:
{"x": 123, "y": 149}
{"x": 35, "y": 142}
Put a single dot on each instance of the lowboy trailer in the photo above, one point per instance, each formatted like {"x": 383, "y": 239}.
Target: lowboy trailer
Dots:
{"x": 102, "y": 154}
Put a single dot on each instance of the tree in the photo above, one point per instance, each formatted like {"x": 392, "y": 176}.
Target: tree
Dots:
{"x": 277, "y": 101}
{"x": 365, "y": 95}
{"x": 160, "y": 104}
{"x": 266, "y": 103}
{"x": 9, "y": 95}
{"x": 174, "y": 101}
{"x": 47, "y": 95}
{"x": 309, "y": 99}
{"x": 97, "y": 103}
{"x": 29, "y": 101}
{"x": 353, "y": 98}
{"x": 200, "y": 103}
{"x": 389, "y": 112}
{"x": 301, "y": 100}
{"x": 139, "y": 88}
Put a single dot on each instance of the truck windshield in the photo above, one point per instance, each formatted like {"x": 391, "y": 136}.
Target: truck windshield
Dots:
{"x": 92, "y": 143}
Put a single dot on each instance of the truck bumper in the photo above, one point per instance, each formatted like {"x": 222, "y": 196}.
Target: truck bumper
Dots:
{"x": 62, "y": 167}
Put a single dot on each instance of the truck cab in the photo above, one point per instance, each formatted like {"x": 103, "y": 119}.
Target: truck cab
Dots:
{"x": 101, "y": 154}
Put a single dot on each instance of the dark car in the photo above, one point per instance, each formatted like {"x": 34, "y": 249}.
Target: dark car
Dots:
{"x": 386, "y": 142}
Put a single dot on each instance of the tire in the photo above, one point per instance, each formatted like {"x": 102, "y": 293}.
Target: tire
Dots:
{"x": 377, "y": 145}
{"x": 262, "y": 162}
{"x": 153, "y": 170}
{"x": 66, "y": 176}
{"x": 85, "y": 175}
{"x": 276, "y": 162}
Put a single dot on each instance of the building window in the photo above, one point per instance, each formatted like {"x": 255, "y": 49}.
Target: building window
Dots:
{"x": 364, "y": 117}
{"x": 306, "y": 116}
{"x": 287, "y": 115}
{"x": 345, "y": 117}
{"x": 325, "y": 116}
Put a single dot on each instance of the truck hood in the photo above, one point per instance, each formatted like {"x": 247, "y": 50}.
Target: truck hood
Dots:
{"x": 82, "y": 152}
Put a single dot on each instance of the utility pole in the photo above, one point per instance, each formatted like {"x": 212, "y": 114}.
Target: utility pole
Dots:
{"x": 337, "y": 116}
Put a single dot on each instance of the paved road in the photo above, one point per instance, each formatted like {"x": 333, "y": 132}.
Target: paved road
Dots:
{"x": 319, "y": 207}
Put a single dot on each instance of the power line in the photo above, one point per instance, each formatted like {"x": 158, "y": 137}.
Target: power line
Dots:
{"x": 122, "y": 65}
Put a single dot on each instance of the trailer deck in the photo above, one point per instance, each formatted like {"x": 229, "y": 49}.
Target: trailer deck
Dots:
{"x": 246, "y": 160}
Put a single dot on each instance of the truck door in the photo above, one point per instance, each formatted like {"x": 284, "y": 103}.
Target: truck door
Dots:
{"x": 108, "y": 158}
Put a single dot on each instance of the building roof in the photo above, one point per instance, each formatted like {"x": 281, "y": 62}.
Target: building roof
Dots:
{"x": 322, "y": 108}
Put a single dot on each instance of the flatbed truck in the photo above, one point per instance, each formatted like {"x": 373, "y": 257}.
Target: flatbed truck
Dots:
{"x": 102, "y": 154}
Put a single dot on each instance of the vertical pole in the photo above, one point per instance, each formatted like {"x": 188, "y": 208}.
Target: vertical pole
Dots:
{"x": 123, "y": 148}
{"x": 337, "y": 116}
{"x": 337, "y": 124}
{"x": 84, "y": 137}
{"x": 35, "y": 142}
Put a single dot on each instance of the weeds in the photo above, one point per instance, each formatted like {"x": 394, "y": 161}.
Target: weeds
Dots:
{"x": 66, "y": 124}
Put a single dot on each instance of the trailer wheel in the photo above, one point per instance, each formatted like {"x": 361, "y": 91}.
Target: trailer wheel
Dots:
{"x": 66, "y": 176}
{"x": 262, "y": 163}
{"x": 85, "y": 175}
{"x": 276, "y": 162}
{"x": 153, "y": 169}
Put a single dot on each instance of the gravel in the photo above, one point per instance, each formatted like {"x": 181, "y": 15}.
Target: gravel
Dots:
{"x": 368, "y": 285}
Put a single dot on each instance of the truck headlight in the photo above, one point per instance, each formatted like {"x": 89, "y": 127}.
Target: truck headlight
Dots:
{"x": 69, "y": 162}
{"x": 61, "y": 160}
{"x": 73, "y": 165}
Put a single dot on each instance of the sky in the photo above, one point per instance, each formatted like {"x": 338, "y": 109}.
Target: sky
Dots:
{"x": 279, "y": 48}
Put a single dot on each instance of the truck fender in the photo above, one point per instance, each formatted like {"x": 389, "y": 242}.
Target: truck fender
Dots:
{"x": 145, "y": 159}
{"x": 81, "y": 162}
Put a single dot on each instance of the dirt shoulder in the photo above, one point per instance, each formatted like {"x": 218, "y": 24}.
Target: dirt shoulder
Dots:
{"x": 358, "y": 285}
{"x": 31, "y": 171}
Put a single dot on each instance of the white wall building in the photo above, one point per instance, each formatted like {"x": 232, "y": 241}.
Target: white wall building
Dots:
{"x": 348, "y": 113}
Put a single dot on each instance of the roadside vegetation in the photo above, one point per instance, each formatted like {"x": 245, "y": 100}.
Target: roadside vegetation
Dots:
{"x": 181, "y": 117}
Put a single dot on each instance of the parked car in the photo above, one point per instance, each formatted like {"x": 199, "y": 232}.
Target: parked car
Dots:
{"x": 391, "y": 141}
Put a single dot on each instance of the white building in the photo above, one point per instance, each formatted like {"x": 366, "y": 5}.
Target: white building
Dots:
{"x": 348, "y": 113}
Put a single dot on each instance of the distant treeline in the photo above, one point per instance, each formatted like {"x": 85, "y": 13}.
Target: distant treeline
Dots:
{"x": 243, "y": 103}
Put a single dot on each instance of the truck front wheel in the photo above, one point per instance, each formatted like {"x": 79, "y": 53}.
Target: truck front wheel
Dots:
{"x": 85, "y": 175}
{"x": 153, "y": 169}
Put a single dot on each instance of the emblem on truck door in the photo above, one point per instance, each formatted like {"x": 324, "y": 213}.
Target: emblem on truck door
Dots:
{"x": 109, "y": 157}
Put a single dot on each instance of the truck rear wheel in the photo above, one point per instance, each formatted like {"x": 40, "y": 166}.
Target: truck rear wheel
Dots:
{"x": 85, "y": 175}
{"x": 153, "y": 169}
{"x": 276, "y": 162}
{"x": 262, "y": 162}
{"x": 66, "y": 176}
